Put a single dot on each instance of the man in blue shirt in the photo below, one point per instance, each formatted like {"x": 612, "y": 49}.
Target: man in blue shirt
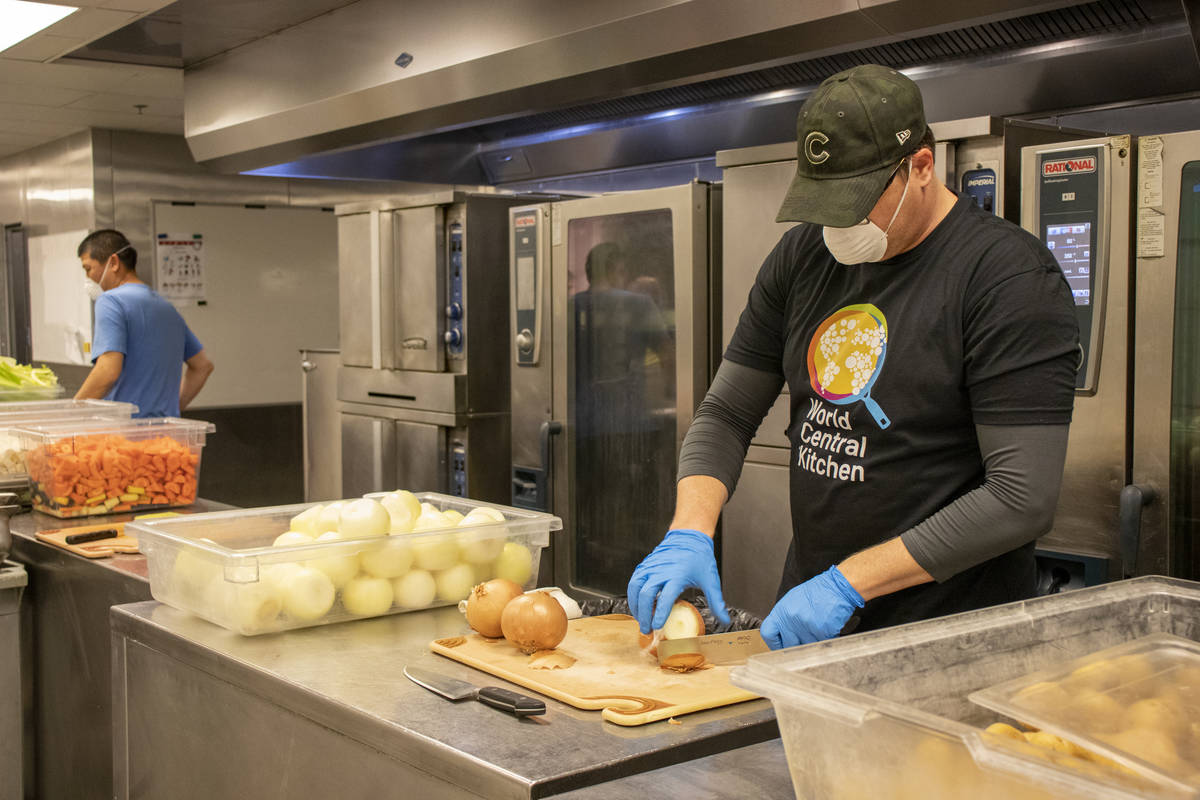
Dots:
{"x": 140, "y": 339}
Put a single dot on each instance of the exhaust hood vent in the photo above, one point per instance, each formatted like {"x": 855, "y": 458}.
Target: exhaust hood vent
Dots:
{"x": 1076, "y": 56}
{"x": 976, "y": 41}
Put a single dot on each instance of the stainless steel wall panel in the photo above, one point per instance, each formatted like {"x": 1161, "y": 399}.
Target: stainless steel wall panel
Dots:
{"x": 49, "y": 188}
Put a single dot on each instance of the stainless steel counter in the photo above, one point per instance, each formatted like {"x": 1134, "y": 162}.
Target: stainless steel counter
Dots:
{"x": 201, "y": 712}
{"x": 758, "y": 770}
{"x": 66, "y": 660}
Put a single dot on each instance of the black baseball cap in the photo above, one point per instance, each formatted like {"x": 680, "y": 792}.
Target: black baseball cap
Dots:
{"x": 851, "y": 134}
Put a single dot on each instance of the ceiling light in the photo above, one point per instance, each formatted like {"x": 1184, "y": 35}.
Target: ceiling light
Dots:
{"x": 23, "y": 19}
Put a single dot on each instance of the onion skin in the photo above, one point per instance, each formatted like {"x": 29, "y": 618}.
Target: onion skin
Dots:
{"x": 534, "y": 621}
{"x": 486, "y": 603}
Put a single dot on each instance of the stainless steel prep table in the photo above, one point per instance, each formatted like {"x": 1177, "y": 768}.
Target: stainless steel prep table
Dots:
{"x": 201, "y": 712}
{"x": 66, "y": 660}
{"x": 759, "y": 771}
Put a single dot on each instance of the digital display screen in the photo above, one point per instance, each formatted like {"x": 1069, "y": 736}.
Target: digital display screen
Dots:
{"x": 1072, "y": 246}
{"x": 525, "y": 282}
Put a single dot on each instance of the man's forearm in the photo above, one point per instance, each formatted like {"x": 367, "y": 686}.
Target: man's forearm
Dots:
{"x": 698, "y": 503}
{"x": 885, "y": 568}
{"x": 190, "y": 385}
{"x": 97, "y": 384}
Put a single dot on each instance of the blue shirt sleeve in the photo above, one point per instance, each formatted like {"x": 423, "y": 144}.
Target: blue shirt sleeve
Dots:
{"x": 110, "y": 335}
{"x": 191, "y": 345}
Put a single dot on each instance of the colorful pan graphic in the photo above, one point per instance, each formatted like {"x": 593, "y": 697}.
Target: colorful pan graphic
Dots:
{"x": 845, "y": 356}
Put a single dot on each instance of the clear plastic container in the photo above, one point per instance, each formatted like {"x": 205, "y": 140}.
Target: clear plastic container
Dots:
{"x": 12, "y": 415}
{"x": 31, "y": 393}
{"x": 888, "y": 713}
{"x": 97, "y": 467}
{"x": 225, "y": 567}
{"x": 1136, "y": 704}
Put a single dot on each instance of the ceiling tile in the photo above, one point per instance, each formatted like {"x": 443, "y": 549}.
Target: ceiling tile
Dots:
{"x": 126, "y": 104}
{"x": 137, "y": 6}
{"x": 39, "y": 95}
{"x": 42, "y": 47}
{"x": 90, "y": 23}
{"x": 85, "y": 76}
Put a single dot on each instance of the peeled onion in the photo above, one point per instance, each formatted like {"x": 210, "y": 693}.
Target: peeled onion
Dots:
{"x": 515, "y": 563}
{"x": 534, "y": 621}
{"x": 364, "y": 518}
{"x": 415, "y": 589}
{"x": 486, "y": 603}
{"x": 367, "y": 596}
{"x": 684, "y": 622}
{"x": 455, "y": 583}
{"x": 339, "y": 568}
{"x": 306, "y": 521}
{"x": 404, "y": 508}
{"x": 291, "y": 538}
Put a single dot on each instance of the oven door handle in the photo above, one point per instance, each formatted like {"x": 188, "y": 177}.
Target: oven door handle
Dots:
{"x": 1134, "y": 497}
{"x": 549, "y": 428}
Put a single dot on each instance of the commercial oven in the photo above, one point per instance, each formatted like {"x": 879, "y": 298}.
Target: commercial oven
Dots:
{"x": 611, "y": 306}
{"x": 976, "y": 156}
{"x": 1122, "y": 216}
{"x": 423, "y": 387}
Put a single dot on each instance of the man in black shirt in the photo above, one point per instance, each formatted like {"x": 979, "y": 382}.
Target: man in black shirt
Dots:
{"x": 930, "y": 350}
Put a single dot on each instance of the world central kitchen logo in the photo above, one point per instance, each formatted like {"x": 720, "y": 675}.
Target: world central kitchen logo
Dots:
{"x": 1064, "y": 166}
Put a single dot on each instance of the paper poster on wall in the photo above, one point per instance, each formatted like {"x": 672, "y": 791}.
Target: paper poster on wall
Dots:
{"x": 180, "y": 261}
{"x": 60, "y": 310}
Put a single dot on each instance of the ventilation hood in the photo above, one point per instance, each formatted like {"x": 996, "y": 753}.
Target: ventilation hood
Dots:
{"x": 473, "y": 92}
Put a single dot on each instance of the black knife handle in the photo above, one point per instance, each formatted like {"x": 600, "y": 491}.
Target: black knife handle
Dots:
{"x": 91, "y": 536}
{"x": 513, "y": 703}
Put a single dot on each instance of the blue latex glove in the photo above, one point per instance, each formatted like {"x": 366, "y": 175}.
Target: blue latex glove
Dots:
{"x": 815, "y": 610}
{"x": 683, "y": 558}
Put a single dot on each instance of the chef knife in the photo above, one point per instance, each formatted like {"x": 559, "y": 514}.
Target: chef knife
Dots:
{"x": 453, "y": 689}
{"x": 721, "y": 649}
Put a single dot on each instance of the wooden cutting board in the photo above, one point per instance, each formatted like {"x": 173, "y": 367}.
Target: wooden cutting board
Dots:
{"x": 101, "y": 548}
{"x": 610, "y": 672}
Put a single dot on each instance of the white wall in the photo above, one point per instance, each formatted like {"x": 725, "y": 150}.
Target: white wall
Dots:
{"x": 271, "y": 289}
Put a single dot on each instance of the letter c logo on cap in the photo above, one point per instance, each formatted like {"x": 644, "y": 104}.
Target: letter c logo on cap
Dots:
{"x": 813, "y": 140}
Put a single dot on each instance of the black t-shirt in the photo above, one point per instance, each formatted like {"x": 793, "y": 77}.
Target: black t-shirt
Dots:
{"x": 890, "y": 366}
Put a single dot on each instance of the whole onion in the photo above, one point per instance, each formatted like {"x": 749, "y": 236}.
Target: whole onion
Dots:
{"x": 486, "y": 603}
{"x": 534, "y": 621}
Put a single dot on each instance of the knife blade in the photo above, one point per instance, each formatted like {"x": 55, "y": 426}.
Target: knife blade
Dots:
{"x": 720, "y": 649}
{"x": 453, "y": 689}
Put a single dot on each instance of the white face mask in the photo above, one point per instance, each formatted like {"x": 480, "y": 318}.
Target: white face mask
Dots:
{"x": 863, "y": 243}
{"x": 93, "y": 288}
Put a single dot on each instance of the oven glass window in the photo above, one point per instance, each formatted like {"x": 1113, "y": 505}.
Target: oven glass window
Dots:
{"x": 1185, "y": 382}
{"x": 621, "y": 392}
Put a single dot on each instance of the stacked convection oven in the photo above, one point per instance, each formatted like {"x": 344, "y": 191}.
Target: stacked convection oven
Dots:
{"x": 423, "y": 388}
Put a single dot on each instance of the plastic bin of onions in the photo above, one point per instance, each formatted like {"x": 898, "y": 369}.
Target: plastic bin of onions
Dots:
{"x": 271, "y": 569}
{"x": 1069, "y": 696}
